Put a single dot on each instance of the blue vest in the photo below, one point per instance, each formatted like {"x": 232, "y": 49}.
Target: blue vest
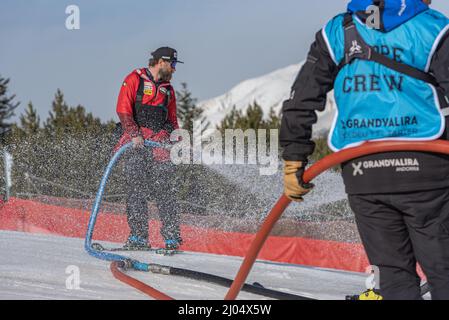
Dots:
{"x": 378, "y": 103}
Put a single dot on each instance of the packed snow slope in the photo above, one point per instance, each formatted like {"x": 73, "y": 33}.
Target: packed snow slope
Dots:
{"x": 269, "y": 91}
{"x": 39, "y": 266}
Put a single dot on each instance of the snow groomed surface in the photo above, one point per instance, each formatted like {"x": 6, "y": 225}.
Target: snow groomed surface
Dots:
{"x": 36, "y": 266}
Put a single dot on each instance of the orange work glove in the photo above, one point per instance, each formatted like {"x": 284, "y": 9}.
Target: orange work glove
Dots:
{"x": 294, "y": 186}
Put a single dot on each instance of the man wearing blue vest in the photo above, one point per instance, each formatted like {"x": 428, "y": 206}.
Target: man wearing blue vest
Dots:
{"x": 391, "y": 82}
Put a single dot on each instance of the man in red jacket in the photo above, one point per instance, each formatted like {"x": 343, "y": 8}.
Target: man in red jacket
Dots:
{"x": 147, "y": 110}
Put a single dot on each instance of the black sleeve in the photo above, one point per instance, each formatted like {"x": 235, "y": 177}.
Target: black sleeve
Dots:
{"x": 308, "y": 95}
{"x": 439, "y": 66}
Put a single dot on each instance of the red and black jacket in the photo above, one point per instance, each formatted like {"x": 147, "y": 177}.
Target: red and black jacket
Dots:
{"x": 146, "y": 108}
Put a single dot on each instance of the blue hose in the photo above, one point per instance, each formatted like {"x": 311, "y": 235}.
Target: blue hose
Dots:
{"x": 96, "y": 207}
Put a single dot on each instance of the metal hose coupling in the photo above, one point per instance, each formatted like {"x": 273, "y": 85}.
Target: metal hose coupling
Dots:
{"x": 125, "y": 264}
{"x": 157, "y": 268}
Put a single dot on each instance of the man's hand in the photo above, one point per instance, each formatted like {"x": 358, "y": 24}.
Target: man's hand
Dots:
{"x": 162, "y": 136}
{"x": 138, "y": 142}
{"x": 294, "y": 186}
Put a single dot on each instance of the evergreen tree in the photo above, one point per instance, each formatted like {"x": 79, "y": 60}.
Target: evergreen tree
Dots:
{"x": 252, "y": 119}
{"x": 187, "y": 109}
{"x": 274, "y": 120}
{"x": 65, "y": 120}
{"x": 6, "y": 105}
{"x": 30, "y": 121}
{"x": 56, "y": 122}
{"x": 230, "y": 120}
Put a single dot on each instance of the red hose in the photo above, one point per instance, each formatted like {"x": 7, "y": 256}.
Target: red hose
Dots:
{"x": 438, "y": 146}
{"x": 119, "y": 275}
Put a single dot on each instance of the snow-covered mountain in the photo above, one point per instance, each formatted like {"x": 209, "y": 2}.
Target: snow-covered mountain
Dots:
{"x": 268, "y": 91}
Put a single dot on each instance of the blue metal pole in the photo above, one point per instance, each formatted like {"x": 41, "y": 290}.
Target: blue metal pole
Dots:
{"x": 96, "y": 207}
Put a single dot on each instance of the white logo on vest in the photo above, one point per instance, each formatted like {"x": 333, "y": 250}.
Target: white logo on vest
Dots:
{"x": 400, "y": 165}
{"x": 355, "y": 49}
{"x": 357, "y": 169}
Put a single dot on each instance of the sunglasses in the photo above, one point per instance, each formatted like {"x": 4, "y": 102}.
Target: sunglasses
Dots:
{"x": 172, "y": 63}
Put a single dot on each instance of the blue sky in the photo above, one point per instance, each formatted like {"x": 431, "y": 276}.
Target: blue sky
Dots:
{"x": 222, "y": 42}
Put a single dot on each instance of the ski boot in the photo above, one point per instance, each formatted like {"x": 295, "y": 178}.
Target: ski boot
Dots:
{"x": 135, "y": 243}
{"x": 369, "y": 294}
{"x": 172, "y": 244}
{"x": 171, "y": 247}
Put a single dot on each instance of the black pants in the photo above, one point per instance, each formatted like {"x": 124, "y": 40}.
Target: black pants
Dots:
{"x": 398, "y": 230}
{"x": 154, "y": 181}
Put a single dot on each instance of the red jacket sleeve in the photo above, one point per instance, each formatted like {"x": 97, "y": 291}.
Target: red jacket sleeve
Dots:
{"x": 125, "y": 103}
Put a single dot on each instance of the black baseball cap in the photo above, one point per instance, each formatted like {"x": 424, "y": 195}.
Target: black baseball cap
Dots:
{"x": 166, "y": 53}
